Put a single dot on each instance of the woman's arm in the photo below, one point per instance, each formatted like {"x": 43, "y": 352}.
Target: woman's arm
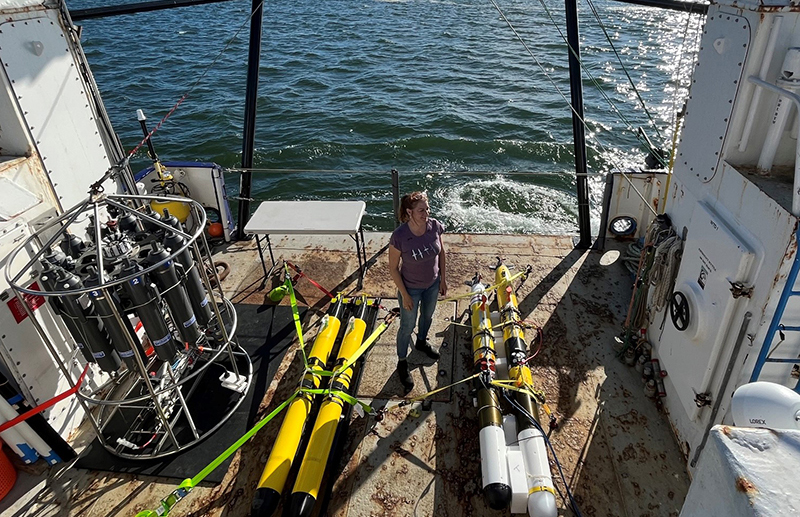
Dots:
{"x": 394, "y": 271}
{"x": 442, "y": 269}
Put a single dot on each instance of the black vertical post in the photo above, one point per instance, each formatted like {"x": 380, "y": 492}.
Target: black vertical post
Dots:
{"x": 250, "y": 109}
{"x": 396, "y": 197}
{"x": 579, "y": 136}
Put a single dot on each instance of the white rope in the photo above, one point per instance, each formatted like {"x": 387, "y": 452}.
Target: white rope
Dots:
{"x": 665, "y": 268}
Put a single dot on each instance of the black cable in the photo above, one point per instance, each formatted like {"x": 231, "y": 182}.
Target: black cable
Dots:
{"x": 572, "y": 503}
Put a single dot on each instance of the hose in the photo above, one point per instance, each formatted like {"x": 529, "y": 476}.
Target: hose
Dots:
{"x": 222, "y": 270}
{"x": 631, "y": 257}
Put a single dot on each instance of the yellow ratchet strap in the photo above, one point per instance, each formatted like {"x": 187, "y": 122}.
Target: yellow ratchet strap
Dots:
{"x": 296, "y": 316}
{"x": 346, "y": 397}
{"x": 433, "y": 392}
{"x": 166, "y": 504}
{"x": 485, "y": 291}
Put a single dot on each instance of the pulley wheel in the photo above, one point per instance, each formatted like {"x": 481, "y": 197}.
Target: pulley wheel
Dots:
{"x": 679, "y": 311}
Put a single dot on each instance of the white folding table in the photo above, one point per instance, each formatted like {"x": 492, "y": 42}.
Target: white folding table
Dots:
{"x": 309, "y": 218}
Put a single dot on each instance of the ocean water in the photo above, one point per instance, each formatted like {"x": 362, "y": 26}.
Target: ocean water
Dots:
{"x": 442, "y": 91}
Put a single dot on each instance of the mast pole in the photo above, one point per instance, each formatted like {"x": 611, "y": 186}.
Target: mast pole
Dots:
{"x": 579, "y": 136}
{"x": 250, "y": 109}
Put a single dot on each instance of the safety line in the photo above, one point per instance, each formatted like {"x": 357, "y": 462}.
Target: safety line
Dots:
{"x": 366, "y": 344}
{"x": 678, "y": 115}
{"x": 125, "y": 161}
{"x": 296, "y": 317}
{"x": 486, "y": 290}
{"x": 187, "y": 485}
{"x": 624, "y": 68}
{"x": 166, "y": 504}
{"x": 299, "y": 272}
{"x": 346, "y": 397}
{"x": 614, "y": 107}
{"x": 197, "y": 82}
{"x": 437, "y": 390}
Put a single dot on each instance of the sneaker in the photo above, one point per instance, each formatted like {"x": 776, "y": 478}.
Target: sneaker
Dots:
{"x": 427, "y": 349}
{"x": 405, "y": 377}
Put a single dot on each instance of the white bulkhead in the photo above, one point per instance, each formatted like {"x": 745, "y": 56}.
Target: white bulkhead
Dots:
{"x": 55, "y": 140}
{"x": 738, "y": 219}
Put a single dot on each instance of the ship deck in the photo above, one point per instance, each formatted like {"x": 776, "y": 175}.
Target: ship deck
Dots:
{"x": 614, "y": 445}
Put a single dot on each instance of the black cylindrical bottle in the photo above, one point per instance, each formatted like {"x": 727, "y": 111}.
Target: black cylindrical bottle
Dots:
{"x": 171, "y": 220}
{"x": 121, "y": 334}
{"x": 127, "y": 223}
{"x": 167, "y": 280}
{"x": 144, "y": 300}
{"x": 49, "y": 283}
{"x": 94, "y": 338}
{"x": 194, "y": 286}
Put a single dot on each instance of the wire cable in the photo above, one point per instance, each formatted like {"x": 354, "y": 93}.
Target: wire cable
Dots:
{"x": 126, "y": 160}
{"x": 624, "y": 68}
{"x": 611, "y": 103}
{"x": 573, "y": 504}
{"x": 571, "y": 107}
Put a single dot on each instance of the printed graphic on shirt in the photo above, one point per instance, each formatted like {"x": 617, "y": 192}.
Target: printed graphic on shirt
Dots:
{"x": 422, "y": 252}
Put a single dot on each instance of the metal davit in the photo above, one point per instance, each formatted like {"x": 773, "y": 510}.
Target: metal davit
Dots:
{"x": 138, "y": 295}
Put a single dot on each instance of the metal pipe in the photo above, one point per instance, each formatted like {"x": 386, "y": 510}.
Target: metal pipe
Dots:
{"x": 72, "y": 213}
{"x": 207, "y": 281}
{"x": 795, "y": 98}
{"x": 673, "y": 5}
{"x": 197, "y": 371}
{"x": 600, "y": 243}
{"x": 396, "y": 196}
{"x": 762, "y": 74}
{"x": 150, "y": 148}
{"x": 788, "y": 290}
{"x": 98, "y": 240}
{"x": 250, "y": 109}
{"x": 578, "y": 130}
{"x": 725, "y": 378}
{"x": 141, "y": 7}
{"x": 184, "y": 405}
{"x": 59, "y": 363}
{"x": 140, "y": 362}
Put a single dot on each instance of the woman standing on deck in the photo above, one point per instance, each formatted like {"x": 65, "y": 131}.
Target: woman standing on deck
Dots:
{"x": 417, "y": 266}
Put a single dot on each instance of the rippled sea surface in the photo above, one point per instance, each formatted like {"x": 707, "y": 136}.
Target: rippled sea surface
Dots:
{"x": 443, "y": 91}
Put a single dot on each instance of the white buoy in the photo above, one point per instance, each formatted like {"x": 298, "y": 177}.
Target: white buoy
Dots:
{"x": 541, "y": 494}
{"x": 494, "y": 467}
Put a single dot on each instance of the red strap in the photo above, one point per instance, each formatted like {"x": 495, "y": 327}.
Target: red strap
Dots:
{"x": 41, "y": 407}
{"x": 330, "y": 295}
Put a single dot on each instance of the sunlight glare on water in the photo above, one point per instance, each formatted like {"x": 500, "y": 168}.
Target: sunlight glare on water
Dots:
{"x": 429, "y": 88}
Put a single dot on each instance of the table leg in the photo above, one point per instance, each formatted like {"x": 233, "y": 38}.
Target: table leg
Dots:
{"x": 261, "y": 255}
{"x": 361, "y": 252}
{"x": 269, "y": 245}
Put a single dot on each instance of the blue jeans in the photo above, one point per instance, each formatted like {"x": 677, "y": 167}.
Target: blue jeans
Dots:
{"x": 424, "y": 302}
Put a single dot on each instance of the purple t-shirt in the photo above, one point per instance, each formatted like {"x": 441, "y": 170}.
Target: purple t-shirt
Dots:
{"x": 419, "y": 266}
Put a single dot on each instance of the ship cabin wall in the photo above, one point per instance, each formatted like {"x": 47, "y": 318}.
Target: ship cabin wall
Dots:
{"x": 52, "y": 147}
{"x": 738, "y": 220}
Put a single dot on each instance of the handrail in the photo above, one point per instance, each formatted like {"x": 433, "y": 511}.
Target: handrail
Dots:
{"x": 236, "y": 170}
{"x": 796, "y": 100}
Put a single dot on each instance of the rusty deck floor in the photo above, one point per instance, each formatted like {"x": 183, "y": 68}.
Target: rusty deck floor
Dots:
{"x": 615, "y": 447}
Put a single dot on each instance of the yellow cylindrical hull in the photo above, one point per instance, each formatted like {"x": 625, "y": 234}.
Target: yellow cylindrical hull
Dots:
{"x": 283, "y": 451}
{"x": 312, "y": 469}
{"x": 287, "y": 442}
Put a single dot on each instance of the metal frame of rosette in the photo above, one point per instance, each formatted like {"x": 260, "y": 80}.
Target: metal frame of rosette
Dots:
{"x": 158, "y": 392}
